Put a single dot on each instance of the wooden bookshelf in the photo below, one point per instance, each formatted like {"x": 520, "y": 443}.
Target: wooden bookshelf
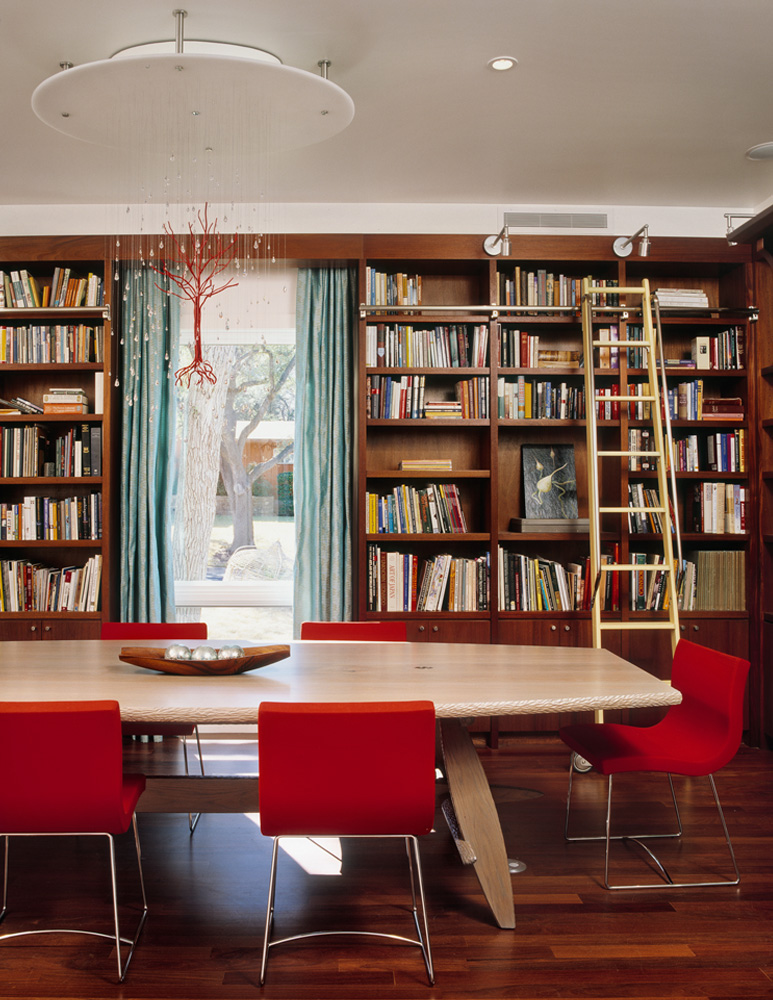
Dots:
{"x": 486, "y": 453}
{"x": 69, "y": 520}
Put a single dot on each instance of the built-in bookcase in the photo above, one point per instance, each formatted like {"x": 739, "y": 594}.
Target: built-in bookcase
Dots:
{"x": 57, "y": 446}
{"x": 527, "y": 583}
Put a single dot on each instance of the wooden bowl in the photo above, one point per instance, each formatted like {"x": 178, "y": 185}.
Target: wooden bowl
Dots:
{"x": 153, "y": 659}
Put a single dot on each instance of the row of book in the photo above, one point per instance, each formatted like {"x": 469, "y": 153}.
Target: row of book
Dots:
{"x": 402, "y": 398}
{"x": 521, "y": 349}
{"x": 707, "y": 580}
{"x": 400, "y": 581}
{"x": 539, "y": 287}
{"x": 26, "y": 451}
{"x": 529, "y": 399}
{"x": 22, "y": 290}
{"x": 28, "y": 586}
{"x": 52, "y": 518}
{"x": 716, "y": 451}
{"x": 710, "y": 508}
{"x": 716, "y": 508}
{"x": 42, "y": 345}
{"x": 432, "y": 509}
{"x": 401, "y": 346}
{"x": 529, "y": 583}
{"x": 396, "y": 289}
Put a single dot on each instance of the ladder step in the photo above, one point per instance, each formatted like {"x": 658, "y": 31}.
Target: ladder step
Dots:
{"x": 636, "y": 626}
{"x": 638, "y": 567}
{"x": 631, "y": 510}
{"x": 593, "y": 289}
{"x": 627, "y": 399}
{"x": 627, "y": 454}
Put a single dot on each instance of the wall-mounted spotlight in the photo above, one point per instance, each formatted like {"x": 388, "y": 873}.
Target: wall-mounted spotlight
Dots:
{"x": 499, "y": 244}
{"x": 730, "y": 218}
{"x": 623, "y": 247}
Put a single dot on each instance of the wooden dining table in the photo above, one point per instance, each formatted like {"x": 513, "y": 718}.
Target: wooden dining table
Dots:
{"x": 462, "y": 680}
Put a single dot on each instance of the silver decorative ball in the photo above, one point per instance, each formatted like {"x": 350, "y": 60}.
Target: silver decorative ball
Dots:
{"x": 230, "y": 652}
{"x": 177, "y": 652}
{"x": 204, "y": 653}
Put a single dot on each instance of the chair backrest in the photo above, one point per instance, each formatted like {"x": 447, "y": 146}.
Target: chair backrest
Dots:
{"x": 356, "y": 631}
{"x": 709, "y": 720}
{"x": 346, "y": 768}
{"x": 62, "y": 767}
{"x": 153, "y": 630}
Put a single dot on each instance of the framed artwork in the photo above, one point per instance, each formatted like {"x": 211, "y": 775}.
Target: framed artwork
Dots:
{"x": 549, "y": 480}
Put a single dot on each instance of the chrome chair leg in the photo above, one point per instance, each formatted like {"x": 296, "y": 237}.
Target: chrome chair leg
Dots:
{"x": 4, "y": 907}
{"x": 639, "y": 838}
{"x": 417, "y": 893}
{"x": 115, "y": 936}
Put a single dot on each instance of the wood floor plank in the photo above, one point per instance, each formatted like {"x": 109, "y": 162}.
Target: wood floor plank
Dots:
{"x": 574, "y": 940}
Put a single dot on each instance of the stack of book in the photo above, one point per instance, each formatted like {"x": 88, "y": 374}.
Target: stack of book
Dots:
{"x": 682, "y": 298}
{"x": 72, "y": 400}
{"x": 442, "y": 409}
{"x": 425, "y": 464}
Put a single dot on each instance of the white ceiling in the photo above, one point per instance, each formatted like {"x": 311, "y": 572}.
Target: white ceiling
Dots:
{"x": 613, "y": 102}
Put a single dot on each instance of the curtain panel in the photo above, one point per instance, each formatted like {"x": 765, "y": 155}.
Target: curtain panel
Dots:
{"x": 150, "y": 324}
{"x": 324, "y": 444}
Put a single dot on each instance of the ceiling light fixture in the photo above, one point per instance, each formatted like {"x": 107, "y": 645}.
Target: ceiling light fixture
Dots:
{"x": 153, "y": 95}
{"x": 502, "y": 63}
{"x": 762, "y": 151}
{"x": 499, "y": 244}
{"x": 623, "y": 246}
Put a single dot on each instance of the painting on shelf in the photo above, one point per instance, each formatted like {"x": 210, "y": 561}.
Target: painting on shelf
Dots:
{"x": 549, "y": 481}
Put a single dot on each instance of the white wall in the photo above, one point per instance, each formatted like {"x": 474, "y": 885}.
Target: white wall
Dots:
{"x": 54, "y": 220}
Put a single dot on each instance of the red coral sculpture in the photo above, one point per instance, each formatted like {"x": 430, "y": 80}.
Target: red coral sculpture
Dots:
{"x": 204, "y": 256}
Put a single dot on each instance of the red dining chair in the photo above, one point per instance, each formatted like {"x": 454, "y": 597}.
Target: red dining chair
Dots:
{"x": 160, "y": 631}
{"x": 91, "y": 795}
{"x": 356, "y": 631}
{"x": 363, "y": 769}
{"x": 696, "y": 738}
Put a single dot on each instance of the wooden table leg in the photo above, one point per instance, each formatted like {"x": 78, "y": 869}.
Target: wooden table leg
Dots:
{"x": 477, "y": 818}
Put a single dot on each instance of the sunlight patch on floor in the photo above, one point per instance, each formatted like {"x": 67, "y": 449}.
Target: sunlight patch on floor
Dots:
{"x": 318, "y": 856}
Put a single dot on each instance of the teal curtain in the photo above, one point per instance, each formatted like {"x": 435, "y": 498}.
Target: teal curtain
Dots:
{"x": 150, "y": 327}
{"x": 324, "y": 444}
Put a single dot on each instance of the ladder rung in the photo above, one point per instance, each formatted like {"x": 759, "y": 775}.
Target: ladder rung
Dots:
{"x": 627, "y": 454}
{"x": 593, "y": 289}
{"x": 631, "y": 510}
{"x": 643, "y": 567}
{"x": 629, "y": 343}
{"x": 632, "y": 626}
{"x": 626, "y": 399}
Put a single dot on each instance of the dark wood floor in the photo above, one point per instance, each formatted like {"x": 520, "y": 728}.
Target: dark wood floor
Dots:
{"x": 573, "y": 938}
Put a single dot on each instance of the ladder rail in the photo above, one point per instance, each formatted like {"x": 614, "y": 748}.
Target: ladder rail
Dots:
{"x": 591, "y": 436}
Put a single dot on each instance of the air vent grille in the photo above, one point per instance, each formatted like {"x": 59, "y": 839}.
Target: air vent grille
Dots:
{"x": 555, "y": 220}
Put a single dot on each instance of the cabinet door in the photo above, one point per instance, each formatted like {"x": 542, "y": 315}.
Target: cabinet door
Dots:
{"x": 78, "y": 628}
{"x": 447, "y": 630}
{"x": 37, "y": 629}
{"x": 20, "y": 629}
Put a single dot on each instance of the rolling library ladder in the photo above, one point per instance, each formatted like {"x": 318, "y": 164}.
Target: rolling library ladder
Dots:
{"x": 661, "y": 435}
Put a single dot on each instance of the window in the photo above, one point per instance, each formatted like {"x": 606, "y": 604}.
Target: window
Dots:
{"x": 233, "y": 537}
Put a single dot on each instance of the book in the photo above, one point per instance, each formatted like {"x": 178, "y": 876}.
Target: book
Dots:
{"x": 549, "y": 481}
{"x": 65, "y": 408}
{"x": 700, "y": 352}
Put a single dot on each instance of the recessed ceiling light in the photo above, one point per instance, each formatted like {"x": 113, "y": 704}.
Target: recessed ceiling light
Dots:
{"x": 501, "y": 63}
{"x": 763, "y": 151}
